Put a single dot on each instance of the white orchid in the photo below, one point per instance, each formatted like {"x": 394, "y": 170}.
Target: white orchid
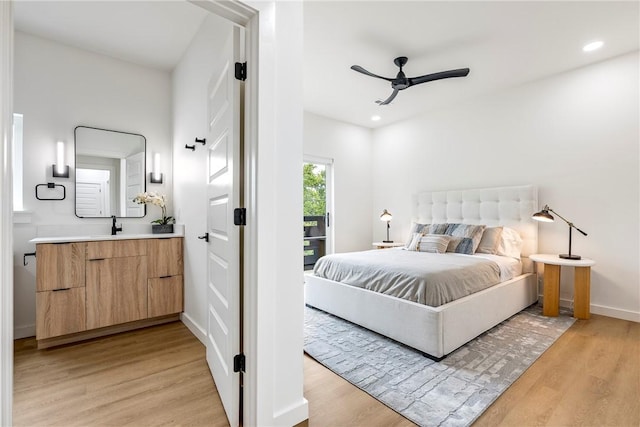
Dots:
{"x": 155, "y": 199}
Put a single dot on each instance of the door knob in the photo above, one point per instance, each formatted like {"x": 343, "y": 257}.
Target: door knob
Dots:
{"x": 204, "y": 237}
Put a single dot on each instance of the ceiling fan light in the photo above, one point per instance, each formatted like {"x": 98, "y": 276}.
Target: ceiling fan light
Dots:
{"x": 590, "y": 47}
{"x": 375, "y": 118}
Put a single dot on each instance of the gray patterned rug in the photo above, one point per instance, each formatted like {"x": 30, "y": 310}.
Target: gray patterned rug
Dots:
{"x": 452, "y": 392}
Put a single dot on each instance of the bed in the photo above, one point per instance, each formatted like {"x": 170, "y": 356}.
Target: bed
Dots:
{"x": 439, "y": 330}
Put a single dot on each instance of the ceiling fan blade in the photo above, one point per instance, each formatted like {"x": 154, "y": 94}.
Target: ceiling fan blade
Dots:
{"x": 460, "y": 72}
{"x": 363, "y": 71}
{"x": 389, "y": 99}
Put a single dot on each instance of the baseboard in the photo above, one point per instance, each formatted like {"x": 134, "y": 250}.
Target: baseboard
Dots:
{"x": 24, "y": 331}
{"x": 632, "y": 316}
{"x": 195, "y": 329}
{"x": 292, "y": 415}
{"x": 603, "y": 310}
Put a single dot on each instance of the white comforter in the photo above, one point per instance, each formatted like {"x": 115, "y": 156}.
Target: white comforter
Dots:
{"x": 425, "y": 278}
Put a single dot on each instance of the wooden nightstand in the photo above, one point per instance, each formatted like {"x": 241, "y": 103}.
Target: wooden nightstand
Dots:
{"x": 384, "y": 245}
{"x": 581, "y": 286}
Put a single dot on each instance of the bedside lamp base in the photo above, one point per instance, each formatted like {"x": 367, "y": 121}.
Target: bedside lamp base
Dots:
{"x": 569, "y": 256}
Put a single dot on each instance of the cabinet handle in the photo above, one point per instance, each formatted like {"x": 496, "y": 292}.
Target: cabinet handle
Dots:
{"x": 97, "y": 259}
{"x": 61, "y": 289}
{"x": 164, "y": 277}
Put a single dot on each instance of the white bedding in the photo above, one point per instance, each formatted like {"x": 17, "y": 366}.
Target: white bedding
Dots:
{"x": 425, "y": 278}
{"x": 509, "y": 267}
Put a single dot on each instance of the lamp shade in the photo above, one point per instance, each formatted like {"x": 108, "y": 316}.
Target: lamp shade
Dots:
{"x": 543, "y": 215}
{"x": 386, "y": 216}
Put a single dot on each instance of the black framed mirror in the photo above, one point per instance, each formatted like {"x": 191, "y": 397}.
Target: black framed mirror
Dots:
{"x": 110, "y": 172}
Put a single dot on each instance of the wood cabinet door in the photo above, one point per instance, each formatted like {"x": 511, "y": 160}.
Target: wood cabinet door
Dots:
{"x": 165, "y": 257}
{"x": 60, "y": 312}
{"x": 60, "y": 266}
{"x": 116, "y": 291}
{"x": 165, "y": 296}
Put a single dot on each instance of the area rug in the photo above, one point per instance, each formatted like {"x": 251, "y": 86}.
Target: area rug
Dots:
{"x": 451, "y": 392}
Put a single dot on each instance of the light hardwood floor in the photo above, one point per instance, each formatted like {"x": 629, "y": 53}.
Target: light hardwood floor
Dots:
{"x": 158, "y": 376}
{"x": 150, "y": 377}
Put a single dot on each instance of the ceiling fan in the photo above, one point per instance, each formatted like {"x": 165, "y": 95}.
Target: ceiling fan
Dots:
{"x": 402, "y": 81}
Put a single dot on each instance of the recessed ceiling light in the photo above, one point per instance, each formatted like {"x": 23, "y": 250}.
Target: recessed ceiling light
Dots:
{"x": 589, "y": 47}
{"x": 375, "y": 118}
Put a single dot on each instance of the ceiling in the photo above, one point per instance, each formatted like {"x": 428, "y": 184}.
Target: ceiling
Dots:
{"x": 505, "y": 44}
{"x": 151, "y": 33}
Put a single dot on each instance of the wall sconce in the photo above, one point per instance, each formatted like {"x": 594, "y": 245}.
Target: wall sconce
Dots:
{"x": 155, "y": 177}
{"x": 386, "y": 216}
{"x": 545, "y": 216}
{"x": 60, "y": 170}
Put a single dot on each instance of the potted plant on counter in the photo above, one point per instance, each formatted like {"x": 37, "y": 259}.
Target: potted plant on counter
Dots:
{"x": 160, "y": 225}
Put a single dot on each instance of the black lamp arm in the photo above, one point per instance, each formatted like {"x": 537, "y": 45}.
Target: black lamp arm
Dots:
{"x": 567, "y": 221}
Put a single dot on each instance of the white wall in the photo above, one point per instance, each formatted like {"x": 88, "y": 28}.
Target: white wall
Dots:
{"x": 350, "y": 148}
{"x": 190, "y": 82}
{"x": 574, "y": 135}
{"x": 57, "y": 88}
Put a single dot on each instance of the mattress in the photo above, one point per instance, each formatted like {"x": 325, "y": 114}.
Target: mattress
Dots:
{"x": 426, "y": 278}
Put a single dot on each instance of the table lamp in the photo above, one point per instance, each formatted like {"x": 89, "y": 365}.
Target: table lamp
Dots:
{"x": 386, "y": 216}
{"x": 545, "y": 216}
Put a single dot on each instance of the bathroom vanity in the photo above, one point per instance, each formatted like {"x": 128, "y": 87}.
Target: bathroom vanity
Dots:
{"x": 89, "y": 287}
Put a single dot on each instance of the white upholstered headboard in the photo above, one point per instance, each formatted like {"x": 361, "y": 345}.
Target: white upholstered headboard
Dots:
{"x": 507, "y": 206}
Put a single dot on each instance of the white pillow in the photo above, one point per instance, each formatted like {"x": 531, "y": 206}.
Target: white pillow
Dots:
{"x": 510, "y": 243}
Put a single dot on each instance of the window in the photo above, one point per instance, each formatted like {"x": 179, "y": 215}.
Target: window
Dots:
{"x": 16, "y": 162}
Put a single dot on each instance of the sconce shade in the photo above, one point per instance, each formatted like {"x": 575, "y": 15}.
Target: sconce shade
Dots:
{"x": 155, "y": 177}
{"x": 543, "y": 215}
{"x": 60, "y": 170}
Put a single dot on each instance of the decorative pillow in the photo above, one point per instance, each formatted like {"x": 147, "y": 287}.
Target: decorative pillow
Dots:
{"x": 460, "y": 245}
{"x": 510, "y": 243}
{"x": 413, "y": 243}
{"x": 434, "y": 243}
{"x": 438, "y": 228}
{"x": 473, "y": 232}
{"x": 489, "y": 241}
{"x": 416, "y": 228}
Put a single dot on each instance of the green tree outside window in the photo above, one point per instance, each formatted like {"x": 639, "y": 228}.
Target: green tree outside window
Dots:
{"x": 314, "y": 181}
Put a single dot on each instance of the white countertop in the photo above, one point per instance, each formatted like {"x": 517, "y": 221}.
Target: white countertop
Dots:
{"x": 556, "y": 260}
{"x": 62, "y": 239}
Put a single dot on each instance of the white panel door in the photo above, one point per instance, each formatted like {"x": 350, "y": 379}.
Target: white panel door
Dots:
{"x": 89, "y": 199}
{"x": 135, "y": 180}
{"x": 223, "y": 249}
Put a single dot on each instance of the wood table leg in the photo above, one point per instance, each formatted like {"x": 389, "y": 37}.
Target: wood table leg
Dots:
{"x": 551, "y": 291}
{"x": 582, "y": 293}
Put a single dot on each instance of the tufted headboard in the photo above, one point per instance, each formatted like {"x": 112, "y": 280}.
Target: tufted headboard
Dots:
{"x": 508, "y": 206}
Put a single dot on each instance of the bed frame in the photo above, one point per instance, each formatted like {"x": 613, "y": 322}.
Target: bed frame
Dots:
{"x": 437, "y": 331}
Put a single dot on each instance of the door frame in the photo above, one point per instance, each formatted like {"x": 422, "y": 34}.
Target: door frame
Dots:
{"x": 239, "y": 14}
{"x": 6, "y": 213}
{"x": 328, "y": 164}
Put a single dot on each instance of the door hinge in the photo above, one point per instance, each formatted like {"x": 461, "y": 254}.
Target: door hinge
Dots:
{"x": 238, "y": 363}
{"x": 240, "y": 216}
{"x": 241, "y": 71}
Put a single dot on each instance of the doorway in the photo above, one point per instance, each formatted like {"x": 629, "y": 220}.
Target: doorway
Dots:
{"x": 317, "y": 210}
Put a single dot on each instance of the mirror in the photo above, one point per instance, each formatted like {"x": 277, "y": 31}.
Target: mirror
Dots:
{"x": 110, "y": 172}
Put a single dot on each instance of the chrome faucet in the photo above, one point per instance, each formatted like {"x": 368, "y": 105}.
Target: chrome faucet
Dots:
{"x": 114, "y": 228}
